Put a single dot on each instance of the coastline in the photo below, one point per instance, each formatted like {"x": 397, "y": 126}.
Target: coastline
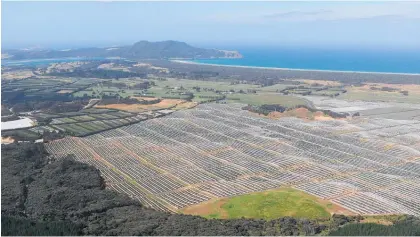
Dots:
{"x": 5, "y": 62}
{"x": 294, "y": 69}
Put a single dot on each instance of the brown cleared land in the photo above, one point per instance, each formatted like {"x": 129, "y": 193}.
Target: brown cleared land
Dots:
{"x": 302, "y": 113}
{"x": 186, "y": 105}
{"x": 163, "y": 104}
{"x": 7, "y": 140}
{"x": 64, "y": 91}
{"x": 208, "y": 208}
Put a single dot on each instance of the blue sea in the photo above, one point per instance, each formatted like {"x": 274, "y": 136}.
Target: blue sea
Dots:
{"x": 391, "y": 61}
{"x": 385, "y": 60}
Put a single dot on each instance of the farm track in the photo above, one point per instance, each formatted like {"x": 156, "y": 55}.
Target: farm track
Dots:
{"x": 217, "y": 150}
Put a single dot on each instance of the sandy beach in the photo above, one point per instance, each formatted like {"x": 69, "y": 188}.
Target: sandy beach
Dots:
{"x": 293, "y": 69}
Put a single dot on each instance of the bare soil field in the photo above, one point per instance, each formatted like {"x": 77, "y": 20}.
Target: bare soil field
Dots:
{"x": 185, "y": 105}
{"x": 7, "y": 140}
{"x": 301, "y": 113}
{"x": 163, "y": 104}
{"x": 64, "y": 91}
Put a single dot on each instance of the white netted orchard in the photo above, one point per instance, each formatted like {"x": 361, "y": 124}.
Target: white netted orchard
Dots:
{"x": 370, "y": 166}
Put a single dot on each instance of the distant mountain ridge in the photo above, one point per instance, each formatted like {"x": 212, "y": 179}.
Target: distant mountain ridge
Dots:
{"x": 140, "y": 50}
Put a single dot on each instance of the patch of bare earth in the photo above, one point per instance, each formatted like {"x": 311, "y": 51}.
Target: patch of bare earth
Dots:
{"x": 163, "y": 104}
{"x": 186, "y": 105}
{"x": 335, "y": 209}
{"x": 302, "y": 113}
{"x": 64, "y": 91}
{"x": 319, "y": 116}
{"x": 7, "y": 140}
{"x": 213, "y": 206}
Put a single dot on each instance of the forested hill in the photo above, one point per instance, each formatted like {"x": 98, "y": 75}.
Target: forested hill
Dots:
{"x": 140, "y": 50}
{"x": 46, "y": 197}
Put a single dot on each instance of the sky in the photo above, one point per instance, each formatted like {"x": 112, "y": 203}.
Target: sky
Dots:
{"x": 211, "y": 24}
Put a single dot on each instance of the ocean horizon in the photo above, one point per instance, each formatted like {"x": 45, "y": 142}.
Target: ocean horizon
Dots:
{"x": 384, "y": 61}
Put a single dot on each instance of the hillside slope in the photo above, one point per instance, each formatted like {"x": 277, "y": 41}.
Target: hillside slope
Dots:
{"x": 140, "y": 50}
{"x": 65, "y": 197}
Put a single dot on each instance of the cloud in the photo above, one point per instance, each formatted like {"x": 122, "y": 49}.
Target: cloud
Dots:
{"x": 330, "y": 15}
{"x": 293, "y": 14}
{"x": 329, "y": 12}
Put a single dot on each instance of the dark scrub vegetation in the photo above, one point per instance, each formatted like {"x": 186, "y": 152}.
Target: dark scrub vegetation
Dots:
{"x": 407, "y": 227}
{"x": 26, "y": 227}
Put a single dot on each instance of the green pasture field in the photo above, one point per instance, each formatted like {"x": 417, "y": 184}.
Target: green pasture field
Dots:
{"x": 67, "y": 120}
{"x": 381, "y": 96}
{"x": 82, "y": 93}
{"x": 205, "y": 96}
{"x": 21, "y": 134}
{"x": 91, "y": 126}
{"x": 189, "y": 84}
{"x": 275, "y": 87}
{"x": 83, "y": 118}
{"x": 103, "y": 116}
{"x": 101, "y": 124}
{"x": 266, "y": 205}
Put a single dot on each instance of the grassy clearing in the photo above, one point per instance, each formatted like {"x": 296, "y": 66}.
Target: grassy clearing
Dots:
{"x": 98, "y": 90}
{"x": 365, "y": 93}
{"x": 267, "y": 205}
{"x": 21, "y": 134}
{"x": 267, "y": 98}
{"x": 176, "y": 89}
{"x": 163, "y": 104}
{"x": 381, "y": 96}
{"x": 205, "y": 96}
{"x": 217, "y": 85}
{"x": 82, "y": 93}
{"x": 275, "y": 87}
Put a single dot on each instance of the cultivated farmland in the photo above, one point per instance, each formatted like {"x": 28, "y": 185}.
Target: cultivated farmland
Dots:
{"x": 367, "y": 165}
